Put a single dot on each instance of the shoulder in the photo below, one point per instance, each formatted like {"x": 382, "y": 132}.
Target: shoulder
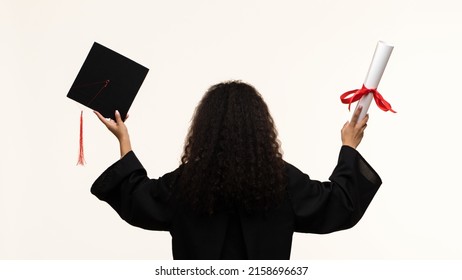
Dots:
{"x": 293, "y": 173}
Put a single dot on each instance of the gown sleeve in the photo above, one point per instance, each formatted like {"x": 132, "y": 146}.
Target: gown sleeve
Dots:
{"x": 324, "y": 207}
{"x": 140, "y": 201}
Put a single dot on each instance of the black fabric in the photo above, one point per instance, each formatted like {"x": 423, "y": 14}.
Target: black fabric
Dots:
{"x": 310, "y": 206}
{"x": 234, "y": 243}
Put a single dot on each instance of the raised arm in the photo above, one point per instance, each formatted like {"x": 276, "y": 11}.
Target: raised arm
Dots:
{"x": 323, "y": 207}
{"x": 125, "y": 186}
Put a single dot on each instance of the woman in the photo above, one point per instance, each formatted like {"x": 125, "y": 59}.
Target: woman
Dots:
{"x": 233, "y": 196}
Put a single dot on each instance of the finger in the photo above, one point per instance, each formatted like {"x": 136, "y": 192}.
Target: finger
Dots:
{"x": 118, "y": 118}
{"x": 355, "y": 117}
{"x": 361, "y": 130}
{"x": 126, "y": 117}
{"x": 101, "y": 118}
{"x": 363, "y": 122}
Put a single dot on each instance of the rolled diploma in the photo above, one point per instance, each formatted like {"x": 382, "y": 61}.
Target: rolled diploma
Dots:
{"x": 379, "y": 62}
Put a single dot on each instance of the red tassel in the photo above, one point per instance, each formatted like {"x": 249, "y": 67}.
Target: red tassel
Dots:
{"x": 81, "y": 160}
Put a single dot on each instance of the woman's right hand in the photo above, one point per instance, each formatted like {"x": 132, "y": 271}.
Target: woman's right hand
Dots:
{"x": 353, "y": 131}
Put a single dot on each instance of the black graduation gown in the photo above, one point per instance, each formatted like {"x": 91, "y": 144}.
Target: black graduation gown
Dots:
{"x": 309, "y": 206}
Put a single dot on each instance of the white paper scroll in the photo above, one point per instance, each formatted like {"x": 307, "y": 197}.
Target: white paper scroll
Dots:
{"x": 379, "y": 62}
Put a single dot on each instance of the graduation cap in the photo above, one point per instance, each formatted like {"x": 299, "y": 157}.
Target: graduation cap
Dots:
{"x": 107, "y": 81}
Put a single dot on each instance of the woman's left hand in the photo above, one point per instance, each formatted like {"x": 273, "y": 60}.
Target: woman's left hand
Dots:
{"x": 119, "y": 129}
{"x": 117, "y": 126}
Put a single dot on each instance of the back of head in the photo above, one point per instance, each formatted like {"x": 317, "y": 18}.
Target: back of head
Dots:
{"x": 232, "y": 154}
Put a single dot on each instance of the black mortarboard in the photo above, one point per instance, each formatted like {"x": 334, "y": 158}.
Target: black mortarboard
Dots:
{"x": 107, "y": 82}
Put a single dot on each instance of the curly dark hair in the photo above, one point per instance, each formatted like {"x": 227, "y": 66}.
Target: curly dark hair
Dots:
{"x": 232, "y": 156}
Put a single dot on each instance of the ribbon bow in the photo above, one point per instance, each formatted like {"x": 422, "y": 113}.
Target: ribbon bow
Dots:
{"x": 358, "y": 93}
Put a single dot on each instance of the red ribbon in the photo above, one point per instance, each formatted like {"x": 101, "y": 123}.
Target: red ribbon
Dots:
{"x": 81, "y": 160}
{"x": 358, "y": 93}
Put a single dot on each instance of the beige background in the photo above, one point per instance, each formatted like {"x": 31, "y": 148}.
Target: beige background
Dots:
{"x": 301, "y": 55}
